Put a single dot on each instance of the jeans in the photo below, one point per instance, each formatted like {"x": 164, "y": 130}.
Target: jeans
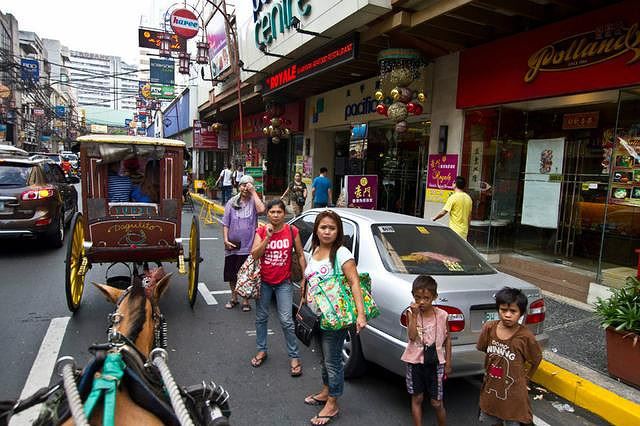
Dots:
{"x": 284, "y": 300}
{"x": 317, "y": 205}
{"x": 227, "y": 191}
{"x": 331, "y": 342}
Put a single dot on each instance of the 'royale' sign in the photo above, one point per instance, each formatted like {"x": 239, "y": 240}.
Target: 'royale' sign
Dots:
{"x": 582, "y": 50}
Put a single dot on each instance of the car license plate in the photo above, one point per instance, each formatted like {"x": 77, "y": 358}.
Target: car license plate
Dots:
{"x": 491, "y": 316}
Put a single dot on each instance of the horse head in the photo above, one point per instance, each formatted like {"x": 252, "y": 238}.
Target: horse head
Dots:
{"x": 137, "y": 315}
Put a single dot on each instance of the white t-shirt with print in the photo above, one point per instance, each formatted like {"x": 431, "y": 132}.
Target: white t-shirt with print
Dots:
{"x": 317, "y": 270}
{"x": 226, "y": 177}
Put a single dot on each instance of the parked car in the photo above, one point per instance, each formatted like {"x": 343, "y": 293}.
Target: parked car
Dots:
{"x": 12, "y": 151}
{"x": 36, "y": 199}
{"x": 394, "y": 249}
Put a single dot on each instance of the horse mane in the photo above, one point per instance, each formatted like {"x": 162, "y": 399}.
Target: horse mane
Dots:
{"x": 137, "y": 310}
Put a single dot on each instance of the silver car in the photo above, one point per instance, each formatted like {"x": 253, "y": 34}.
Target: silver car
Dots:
{"x": 394, "y": 249}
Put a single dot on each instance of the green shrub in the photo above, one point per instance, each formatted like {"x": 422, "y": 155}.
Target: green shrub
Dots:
{"x": 622, "y": 310}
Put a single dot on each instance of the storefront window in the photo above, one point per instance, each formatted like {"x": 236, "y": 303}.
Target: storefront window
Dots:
{"x": 556, "y": 183}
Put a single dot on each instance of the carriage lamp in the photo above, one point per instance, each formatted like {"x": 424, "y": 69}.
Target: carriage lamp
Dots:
{"x": 165, "y": 45}
{"x": 202, "y": 56}
{"x": 183, "y": 62}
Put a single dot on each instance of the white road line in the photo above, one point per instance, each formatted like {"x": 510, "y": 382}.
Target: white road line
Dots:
{"x": 202, "y": 238}
{"x": 221, "y": 292}
{"x": 42, "y": 368}
{"x": 252, "y": 333}
{"x": 206, "y": 294}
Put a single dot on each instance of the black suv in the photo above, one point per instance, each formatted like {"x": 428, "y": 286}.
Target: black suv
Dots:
{"x": 36, "y": 200}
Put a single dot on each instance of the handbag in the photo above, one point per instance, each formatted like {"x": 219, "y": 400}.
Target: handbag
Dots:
{"x": 248, "y": 282}
{"x": 300, "y": 201}
{"x": 335, "y": 300}
{"x": 296, "y": 268}
{"x": 307, "y": 321}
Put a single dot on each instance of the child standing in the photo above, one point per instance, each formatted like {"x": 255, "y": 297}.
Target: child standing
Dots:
{"x": 428, "y": 353}
{"x": 513, "y": 354}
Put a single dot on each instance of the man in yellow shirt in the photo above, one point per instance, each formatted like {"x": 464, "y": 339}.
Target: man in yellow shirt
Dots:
{"x": 459, "y": 207}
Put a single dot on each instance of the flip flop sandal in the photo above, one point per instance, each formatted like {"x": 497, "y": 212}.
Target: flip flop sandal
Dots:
{"x": 257, "y": 361}
{"x": 246, "y": 308}
{"x": 296, "y": 370}
{"x": 328, "y": 419}
{"x": 231, "y": 304}
{"x": 312, "y": 400}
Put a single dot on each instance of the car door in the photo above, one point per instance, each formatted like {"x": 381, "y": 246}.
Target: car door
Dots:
{"x": 55, "y": 176}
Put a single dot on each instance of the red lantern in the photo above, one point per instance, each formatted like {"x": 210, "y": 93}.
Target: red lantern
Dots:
{"x": 411, "y": 107}
{"x": 381, "y": 109}
{"x": 417, "y": 109}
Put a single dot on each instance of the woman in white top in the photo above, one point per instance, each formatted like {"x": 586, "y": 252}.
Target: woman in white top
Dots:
{"x": 327, "y": 250}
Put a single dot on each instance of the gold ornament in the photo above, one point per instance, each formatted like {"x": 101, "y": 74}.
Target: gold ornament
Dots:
{"x": 265, "y": 130}
{"x": 379, "y": 95}
{"x": 395, "y": 92}
{"x": 397, "y": 111}
{"x": 421, "y": 97}
{"x": 401, "y": 76}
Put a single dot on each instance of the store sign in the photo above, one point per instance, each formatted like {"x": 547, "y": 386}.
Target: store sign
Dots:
{"x": 29, "y": 70}
{"x": 99, "y": 128}
{"x": 441, "y": 177}
{"x": 219, "y": 55}
{"x": 150, "y": 39}
{"x": 362, "y": 191}
{"x": 59, "y": 110}
{"x": 161, "y": 71}
{"x": 625, "y": 187}
{"x": 596, "y": 51}
{"x": 155, "y": 91}
{"x": 313, "y": 65}
{"x": 271, "y": 19}
{"x": 38, "y": 112}
{"x": 580, "y": 120}
{"x": 184, "y": 23}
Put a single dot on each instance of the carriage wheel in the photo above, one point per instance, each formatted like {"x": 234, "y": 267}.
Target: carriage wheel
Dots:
{"x": 194, "y": 260}
{"x": 74, "y": 277}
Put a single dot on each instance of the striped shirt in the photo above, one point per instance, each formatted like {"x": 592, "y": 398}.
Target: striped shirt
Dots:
{"x": 119, "y": 188}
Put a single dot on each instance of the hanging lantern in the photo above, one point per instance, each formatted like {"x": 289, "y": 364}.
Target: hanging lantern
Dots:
{"x": 183, "y": 62}
{"x": 202, "y": 56}
{"x": 165, "y": 45}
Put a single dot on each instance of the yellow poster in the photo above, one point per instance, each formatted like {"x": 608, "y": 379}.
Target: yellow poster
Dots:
{"x": 438, "y": 195}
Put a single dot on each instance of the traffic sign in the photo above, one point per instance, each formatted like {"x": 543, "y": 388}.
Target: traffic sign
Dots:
{"x": 184, "y": 23}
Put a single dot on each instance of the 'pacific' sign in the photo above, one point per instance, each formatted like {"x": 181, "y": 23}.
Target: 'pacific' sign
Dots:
{"x": 184, "y": 23}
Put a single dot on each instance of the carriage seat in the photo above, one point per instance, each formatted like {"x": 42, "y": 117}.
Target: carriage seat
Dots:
{"x": 131, "y": 209}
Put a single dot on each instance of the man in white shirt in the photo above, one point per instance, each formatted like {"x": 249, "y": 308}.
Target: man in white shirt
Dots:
{"x": 227, "y": 183}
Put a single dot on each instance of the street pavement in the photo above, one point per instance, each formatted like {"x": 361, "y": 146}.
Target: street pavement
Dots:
{"x": 210, "y": 343}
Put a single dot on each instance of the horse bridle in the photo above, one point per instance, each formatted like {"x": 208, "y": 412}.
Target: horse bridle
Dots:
{"x": 118, "y": 340}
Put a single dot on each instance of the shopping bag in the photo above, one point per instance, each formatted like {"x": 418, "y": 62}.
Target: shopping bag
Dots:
{"x": 248, "y": 283}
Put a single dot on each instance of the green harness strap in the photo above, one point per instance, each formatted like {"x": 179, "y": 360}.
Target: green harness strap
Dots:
{"x": 106, "y": 382}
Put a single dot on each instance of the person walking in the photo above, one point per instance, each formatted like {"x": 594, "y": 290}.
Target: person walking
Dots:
{"x": 297, "y": 192}
{"x": 226, "y": 175}
{"x": 273, "y": 245}
{"x": 459, "y": 207}
{"x": 321, "y": 189}
{"x": 239, "y": 225}
{"x": 326, "y": 251}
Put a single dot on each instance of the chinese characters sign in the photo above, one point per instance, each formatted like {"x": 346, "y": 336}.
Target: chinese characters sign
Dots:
{"x": 580, "y": 120}
{"x": 441, "y": 175}
{"x": 362, "y": 191}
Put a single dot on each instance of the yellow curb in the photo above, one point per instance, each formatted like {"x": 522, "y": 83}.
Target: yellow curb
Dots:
{"x": 606, "y": 404}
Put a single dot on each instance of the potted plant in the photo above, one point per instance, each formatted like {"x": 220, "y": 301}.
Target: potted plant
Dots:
{"x": 620, "y": 316}
{"x": 210, "y": 181}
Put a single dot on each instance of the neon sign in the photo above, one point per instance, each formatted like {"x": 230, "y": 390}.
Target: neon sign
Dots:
{"x": 311, "y": 66}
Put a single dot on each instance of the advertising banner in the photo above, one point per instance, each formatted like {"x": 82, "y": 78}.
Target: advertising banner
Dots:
{"x": 362, "y": 191}
{"x": 542, "y": 182}
{"x": 29, "y": 70}
{"x": 150, "y": 39}
{"x": 59, "y": 110}
{"x": 218, "y": 46}
{"x": 155, "y": 91}
{"x": 625, "y": 188}
{"x": 161, "y": 71}
{"x": 441, "y": 176}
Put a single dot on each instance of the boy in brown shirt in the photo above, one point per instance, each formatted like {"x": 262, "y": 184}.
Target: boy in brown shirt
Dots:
{"x": 513, "y": 354}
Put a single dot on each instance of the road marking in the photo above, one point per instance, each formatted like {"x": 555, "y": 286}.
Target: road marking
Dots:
{"x": 206, "y": 294}
{"x": 202, "y": 238}
{"x": 221, "y": 292}
{"x": 251, "y": 333}
{"x": 537, "y": 421}
{"x": 42, "y": 368}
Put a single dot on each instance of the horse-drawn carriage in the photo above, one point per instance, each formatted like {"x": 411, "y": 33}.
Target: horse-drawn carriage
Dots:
{"x": 120, "y": 228}
{"x": 128, "y": 381}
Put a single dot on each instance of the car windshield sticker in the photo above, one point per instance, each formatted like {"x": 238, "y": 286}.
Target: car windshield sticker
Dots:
{"x": 422, "y": 230}
{"x": 386, "y": 229}
{"x": 453, "y": 266}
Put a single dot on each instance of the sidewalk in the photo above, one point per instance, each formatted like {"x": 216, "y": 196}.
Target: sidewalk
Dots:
{"x": 575, "y": 363}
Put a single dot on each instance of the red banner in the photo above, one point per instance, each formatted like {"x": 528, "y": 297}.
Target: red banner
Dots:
{"x": 202, "y": 138}
{"x": 596, "y": 51}
{"x": 253, "y": 124}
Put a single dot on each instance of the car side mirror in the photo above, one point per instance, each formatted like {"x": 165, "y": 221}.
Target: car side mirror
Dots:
{"x": 73, "y": 179}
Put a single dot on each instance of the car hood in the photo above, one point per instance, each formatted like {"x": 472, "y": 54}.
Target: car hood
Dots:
{"x": 454, "y": 283}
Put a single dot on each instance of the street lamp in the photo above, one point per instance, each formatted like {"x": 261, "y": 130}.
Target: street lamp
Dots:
{"x": 183, "y": 64}
{"x": 165, "y": 45}
{"x": 202, "y": 57}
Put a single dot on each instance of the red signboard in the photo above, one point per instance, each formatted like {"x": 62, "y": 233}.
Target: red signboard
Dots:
{"x": 442, "y": 171}
{"x": 253, "y": 124}
{"x": 184, "y": 23}
{"x": 596, "y": 51}
{"x": 362, "y": 191}
{"x": 581, "y": 120}
{"x": 309, "y": 66}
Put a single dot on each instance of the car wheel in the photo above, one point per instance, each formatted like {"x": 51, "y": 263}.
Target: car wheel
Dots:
{"x": 55, "y": 238}
{"x": 354, "y": 363}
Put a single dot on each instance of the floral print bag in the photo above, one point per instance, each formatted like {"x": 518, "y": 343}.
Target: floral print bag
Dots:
{"x": 335, "y": 300}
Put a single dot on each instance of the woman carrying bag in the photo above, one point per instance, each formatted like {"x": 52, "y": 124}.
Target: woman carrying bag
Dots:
{"x": 329, "y": 253}
{"x": 273, "y": 245}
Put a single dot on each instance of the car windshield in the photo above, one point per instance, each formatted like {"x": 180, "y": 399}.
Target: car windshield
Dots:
{"x": 70, "y": 157}
{"x": 422, "y": 249}
{"x": 13, "y": 175}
